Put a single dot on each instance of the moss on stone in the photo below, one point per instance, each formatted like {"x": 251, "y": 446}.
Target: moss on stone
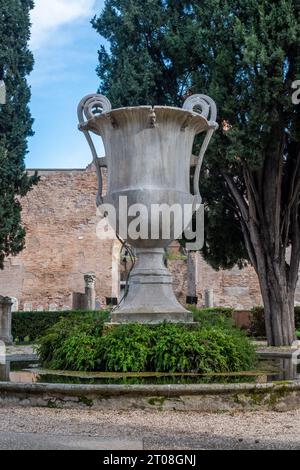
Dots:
{"x": 86, "y": 401}
{"x": 52, "y": 404}
{"x": 157, "y": 401}
{"x": 258, "y": 397}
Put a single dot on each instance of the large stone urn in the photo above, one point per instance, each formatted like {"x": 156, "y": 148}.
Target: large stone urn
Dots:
{"x": 148, "y": 156}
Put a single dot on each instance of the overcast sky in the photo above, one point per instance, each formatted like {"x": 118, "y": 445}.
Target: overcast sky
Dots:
{"x": 65, "y": 49}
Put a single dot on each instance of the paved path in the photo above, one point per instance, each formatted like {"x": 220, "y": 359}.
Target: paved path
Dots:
{"x": 32, "y": 441}
{"x": 41, "y": 428}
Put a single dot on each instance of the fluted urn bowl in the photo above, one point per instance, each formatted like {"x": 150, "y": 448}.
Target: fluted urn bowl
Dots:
{"x": 148, "y": 156}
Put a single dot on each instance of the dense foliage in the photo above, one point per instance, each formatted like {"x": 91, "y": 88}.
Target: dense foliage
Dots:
{"x": 78, "y": 344}
{"x": 212, "y": 314}
{"x": 174, "y": 348}
{"x": 72, "y": 342}
{"x": 258, "y": 327}
{"x": 16, "y": 62}
{"x": 245, "y": 54}
{"x": 28, "y": 326}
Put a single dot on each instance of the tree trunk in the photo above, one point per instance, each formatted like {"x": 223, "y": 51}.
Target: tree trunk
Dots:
{"x": 278, "y": 300}
{"x": 277, "y": 285}
{"x": 267, "y": 235}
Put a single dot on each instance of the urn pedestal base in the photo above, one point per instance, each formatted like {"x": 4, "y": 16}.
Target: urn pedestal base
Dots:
{"x": 150, "y": 296}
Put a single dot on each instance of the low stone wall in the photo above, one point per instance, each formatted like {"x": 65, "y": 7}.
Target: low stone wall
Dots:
{"x": 203, "y": 398}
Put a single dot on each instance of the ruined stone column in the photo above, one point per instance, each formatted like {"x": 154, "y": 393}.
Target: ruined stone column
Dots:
{"x": 90, "y": 293}
{"x": 209, "y": 298}
{"x": 192, "y": 276}
{"x": 5, "y": 320}
{"x": 4, "y": 365}
{"x": 115, "y": 270}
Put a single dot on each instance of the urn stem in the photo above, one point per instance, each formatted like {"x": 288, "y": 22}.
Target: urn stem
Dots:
{"x": 150, "y": 297}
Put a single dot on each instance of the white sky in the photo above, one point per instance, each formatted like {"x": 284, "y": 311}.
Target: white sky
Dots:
{"x": 65, "y": 48}
{"x": 49, "y": 15}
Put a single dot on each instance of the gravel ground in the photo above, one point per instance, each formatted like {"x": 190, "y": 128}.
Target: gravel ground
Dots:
{"x": 160, "y": 430}
{"x": 155, "y": 430}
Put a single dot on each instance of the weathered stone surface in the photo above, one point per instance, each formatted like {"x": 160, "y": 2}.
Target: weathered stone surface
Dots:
{"x": 221, "y": 282}
{"x": 86, "y": 300}
{"x": 52, "y": 307}
{"x": 148, "y": 163}
{"x": 15, "y": 304}
{"x": 27, "y": 307}
{"x": 78, "y": 301}
{"x": 61, "y": 244}
{"x": 90, "y": 293}
{"x": 209, "y": 298}
{"x": 5, "y": 320}
{"x": 200, "y": 397}
{"x": 4, "y": 371}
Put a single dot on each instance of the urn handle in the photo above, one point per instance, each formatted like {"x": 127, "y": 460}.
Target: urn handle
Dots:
{"x": 206, "y": 107}
{"x": 89, "y": 107}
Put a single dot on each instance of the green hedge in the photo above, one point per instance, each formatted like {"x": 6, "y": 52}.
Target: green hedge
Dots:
{"x": 28, "y": 326}
{"x": 203, "y": 314}
{"x": 77, "y": 344}
{"x": 257, "y": 327}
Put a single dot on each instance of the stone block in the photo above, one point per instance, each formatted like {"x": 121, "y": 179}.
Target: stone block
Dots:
{"x": 5, "y": 320}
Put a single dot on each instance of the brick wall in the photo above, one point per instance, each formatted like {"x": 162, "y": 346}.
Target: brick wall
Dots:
{"x": 61, "y": 246}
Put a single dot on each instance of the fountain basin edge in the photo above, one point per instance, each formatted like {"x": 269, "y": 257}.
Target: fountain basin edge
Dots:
{"x": 278, "y": 396}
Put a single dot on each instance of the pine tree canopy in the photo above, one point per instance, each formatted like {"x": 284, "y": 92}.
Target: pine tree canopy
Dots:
{"x": 245, "y": 54}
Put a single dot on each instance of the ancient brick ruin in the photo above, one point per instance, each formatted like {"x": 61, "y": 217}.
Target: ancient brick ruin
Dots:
{"x": 62, "y": 246}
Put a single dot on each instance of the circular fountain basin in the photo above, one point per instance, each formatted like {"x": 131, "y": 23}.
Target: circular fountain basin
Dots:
{"x": 268, "y": 387}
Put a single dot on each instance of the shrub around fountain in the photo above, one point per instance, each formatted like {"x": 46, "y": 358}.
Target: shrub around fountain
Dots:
{"x": 143, "y": 348}
{"x": 72, "y": 343}
{"x": 175, "y": 348}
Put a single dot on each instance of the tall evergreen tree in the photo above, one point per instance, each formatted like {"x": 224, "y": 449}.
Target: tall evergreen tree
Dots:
{"x": 245, "y": 54}
{"x": 16, "y": 62}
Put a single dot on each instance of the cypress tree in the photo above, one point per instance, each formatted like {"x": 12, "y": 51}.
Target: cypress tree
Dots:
{"x": 16, "y": 62}
{"x": 245, "y": 54}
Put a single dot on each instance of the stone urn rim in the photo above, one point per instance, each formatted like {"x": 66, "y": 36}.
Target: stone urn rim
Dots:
{"x": 189, "y": 118}
{"x": 198, "y": 114}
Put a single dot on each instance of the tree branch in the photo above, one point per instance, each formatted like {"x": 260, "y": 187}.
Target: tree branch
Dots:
{"x": 238, "y": 197}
